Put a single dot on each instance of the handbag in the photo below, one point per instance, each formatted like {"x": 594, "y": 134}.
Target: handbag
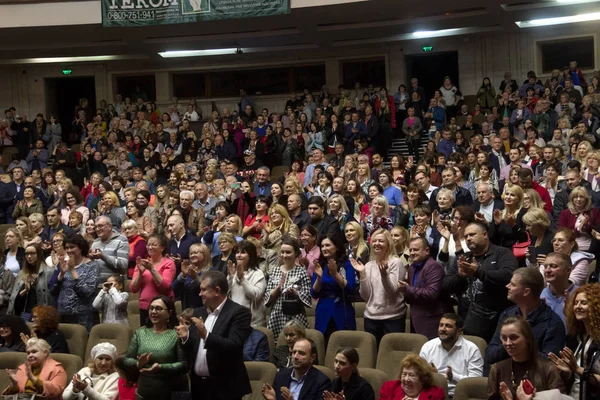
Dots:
{"x": 291, "y": 307}
{"x": 519, "y": 249}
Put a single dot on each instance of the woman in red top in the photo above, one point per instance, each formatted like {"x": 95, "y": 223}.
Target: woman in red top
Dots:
{"x": 255, "y": 223}
{"x": 137, "y": 245}
{"x": 581, "y": 217}
{"x": 415, "y": 381}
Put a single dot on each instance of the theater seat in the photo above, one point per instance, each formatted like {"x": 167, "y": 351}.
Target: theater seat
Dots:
{"x": 117, "y": 334}
{"x": 9, "y": 360}
{"x": 77, "y": 338}
{"x": 133, "y": 314}
{"x": 441, "y": 381}
{"x": 359, "y": 314}
{"x": 178, "y": 307}
{"x": 317, "y": 337}
{"x": 471, "y": 389}
{"x": 375, "y": 378}
{"x": 394, "y": 347}
{"x": 71, "y": 363}
{"x": 270, "y": 337}
{"x": 259, "y": 372}
{"x": 327, "y": 371}
{"x": 364, "y": 343}
{"x": 479, "y": 342}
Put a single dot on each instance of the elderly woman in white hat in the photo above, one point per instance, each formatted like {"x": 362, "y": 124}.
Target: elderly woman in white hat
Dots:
{"x": 97, "y": 381}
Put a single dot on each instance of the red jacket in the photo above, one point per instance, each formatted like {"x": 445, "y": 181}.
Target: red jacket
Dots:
{"x": 392, "y": 390}
{"x": 543, "y": 192}
{"x": 567, "y": 220}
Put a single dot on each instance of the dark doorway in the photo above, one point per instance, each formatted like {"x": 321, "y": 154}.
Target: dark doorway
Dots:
{"x": 430, "y": 70}
{"x": 63, "y": 95}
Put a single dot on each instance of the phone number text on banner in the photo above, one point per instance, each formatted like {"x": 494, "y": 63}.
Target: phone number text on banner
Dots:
{"x": 124, "y": 13}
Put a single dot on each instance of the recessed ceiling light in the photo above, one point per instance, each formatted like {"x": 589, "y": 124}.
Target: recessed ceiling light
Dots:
{"x": 54, "y": 60}
{"x": 197, "y": 53}
{"x": 559, "y": 20}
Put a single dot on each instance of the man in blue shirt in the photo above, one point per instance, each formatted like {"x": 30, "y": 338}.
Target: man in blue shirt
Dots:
{"x": 302, "y": 381}
{"x": 557, "y": 268}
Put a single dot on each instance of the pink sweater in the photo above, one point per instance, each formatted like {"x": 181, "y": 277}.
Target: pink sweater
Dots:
{"x": 382, "y": 297}
{"x": 148, "y": 289}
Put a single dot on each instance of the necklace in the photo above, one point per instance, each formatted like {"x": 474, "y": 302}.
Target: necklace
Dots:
{"x": 512, "y": 376}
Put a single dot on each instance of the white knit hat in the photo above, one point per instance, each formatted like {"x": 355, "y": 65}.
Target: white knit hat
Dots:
{"x": 106, "y": 349}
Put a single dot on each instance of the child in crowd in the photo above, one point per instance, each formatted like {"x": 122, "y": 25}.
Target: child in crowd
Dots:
{"x": 186, "y": 315}
{"x": 127, "y": 381}
{"x": 111, "y": 301}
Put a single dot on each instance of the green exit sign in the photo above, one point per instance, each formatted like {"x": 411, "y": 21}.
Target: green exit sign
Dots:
{"x": 427, "y": 48}
{"x": 67, "y": 71}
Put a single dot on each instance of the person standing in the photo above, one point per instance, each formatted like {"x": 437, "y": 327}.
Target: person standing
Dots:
{"x": 214, "y": 344}
{"x": 423, "y": 289}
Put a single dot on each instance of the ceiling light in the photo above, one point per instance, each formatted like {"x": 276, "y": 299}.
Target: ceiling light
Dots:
{"x": 197, "y": 53}
{"x": 575, "y": 1}
{"x": 53, "y": 60}
{"x": 559, "y": 20}
{"x": 438, "y": 33}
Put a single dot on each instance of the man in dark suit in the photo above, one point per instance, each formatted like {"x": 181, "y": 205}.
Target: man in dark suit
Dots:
{"x": 423, "y": 290}
{"x": 214, "y": 344}
{"x": 302, "y": 381}
{"x": 324, "y": 222}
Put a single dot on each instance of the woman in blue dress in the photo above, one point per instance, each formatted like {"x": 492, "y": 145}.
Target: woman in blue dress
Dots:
{"x": 333, "y": 281}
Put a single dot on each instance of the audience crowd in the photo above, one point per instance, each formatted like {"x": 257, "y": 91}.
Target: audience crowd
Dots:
{"x": 249, "y": 217}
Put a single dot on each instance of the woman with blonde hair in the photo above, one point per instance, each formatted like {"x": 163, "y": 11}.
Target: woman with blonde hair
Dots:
{"x": 14, "y": 255}
{"x": 187, "y": 285}
{"x": 111, "y": 207}
{"x": 591, "y": 173}
{"x": 279, "y": 226}
{"x": 338, "y": 209}
{"x": 363, "y": 177}
{"x": 356, "y": 245}
{"x": 537, "y": 222}
{"x": 379, "y": 218}
{"x": 38, "y": 222}
{"x": 385, "y": 309}
{"x": 401, "y": 239}
{"x": 581, "y": 217}
{"x": 532, "y": 199}
{"x": 584, "y": 149}
{"x": 23, "y": 225}
{"x": 508, "y": 223}
{"x": 348, "y": 169}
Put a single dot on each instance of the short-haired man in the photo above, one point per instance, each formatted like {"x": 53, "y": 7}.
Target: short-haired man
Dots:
{"x": 303, "y": 378}
{"x": 524, "y": 289}
{"x": 526, "y": 182}
{"x": 424, "y": 183}
{"x": 297, "y": 214}
{"x": 451, "y": 354}
{"x": 324, "y": 222}
{"x": 53, "y": 227}
{"x": 220, "y": 327}
{"x": 262, "y": 184}
{"x": 251, "y": 164}
{"x": 514, "y": 157}
{"x": 181, "y": 241}
{"x": 205, "y": 202}
{"x": 478, "y": 279}
{"x": 486, "y": 202}
{"x": 109, "y": 249}
{"x": 318, "y": 158}
{"x": 423, "y": 290}
{"x": 462, "y": 196}
{"x": 194, "y": 218}
{"x": 557, "y": 269}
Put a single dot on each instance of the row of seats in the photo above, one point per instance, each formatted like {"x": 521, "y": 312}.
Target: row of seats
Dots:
{"x": 466, "y": 389}
{"x": 392, "y": 349}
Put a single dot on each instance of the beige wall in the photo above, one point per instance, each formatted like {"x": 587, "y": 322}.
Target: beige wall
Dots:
{"x": 479, "y": 56}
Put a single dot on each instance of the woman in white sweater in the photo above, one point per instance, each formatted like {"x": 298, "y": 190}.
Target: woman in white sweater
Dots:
{"x": 385, "y": 310}
{"x": 247, "y": 283}
{"x": 98, "y": 381}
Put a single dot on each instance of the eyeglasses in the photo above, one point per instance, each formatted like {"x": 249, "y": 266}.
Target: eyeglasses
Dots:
{"x": 156, "y": 308}
{"x": 57, "y": 241}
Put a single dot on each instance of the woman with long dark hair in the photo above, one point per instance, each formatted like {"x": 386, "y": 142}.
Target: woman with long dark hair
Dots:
{"x": 333, "y": 281}
{"x": 348, "y": 383}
